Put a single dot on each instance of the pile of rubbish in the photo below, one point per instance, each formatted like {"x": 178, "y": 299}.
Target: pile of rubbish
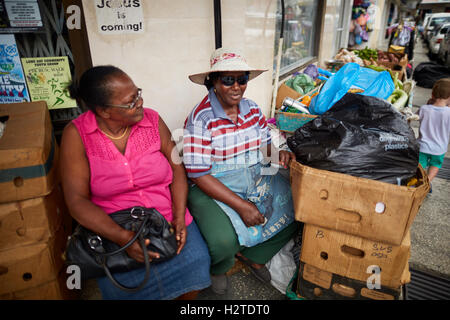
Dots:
{"x": 355, "y": 120}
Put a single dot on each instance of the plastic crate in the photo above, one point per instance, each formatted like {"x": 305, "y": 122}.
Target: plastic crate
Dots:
{"x": 289, "y": 122}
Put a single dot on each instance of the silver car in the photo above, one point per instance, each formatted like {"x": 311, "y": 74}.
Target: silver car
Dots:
{"x": 444, "y": 50}
{"x": 434, "y": 20}
{"x": 437, "y": 38}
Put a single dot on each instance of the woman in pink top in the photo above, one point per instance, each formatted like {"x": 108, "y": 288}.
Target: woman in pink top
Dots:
{"x": 118, "y": 155}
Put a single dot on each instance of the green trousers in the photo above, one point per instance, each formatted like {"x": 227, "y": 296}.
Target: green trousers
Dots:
{"x": 221, "y": 238}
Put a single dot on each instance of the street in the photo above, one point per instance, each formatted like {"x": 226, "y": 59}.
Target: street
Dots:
{"x": 430, "y": 232}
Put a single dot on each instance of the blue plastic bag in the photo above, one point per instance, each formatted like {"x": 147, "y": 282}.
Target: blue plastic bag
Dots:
{"x": 352, "y": 76}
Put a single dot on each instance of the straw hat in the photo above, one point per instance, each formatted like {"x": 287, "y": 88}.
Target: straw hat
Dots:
{"x": 224, "y": 59}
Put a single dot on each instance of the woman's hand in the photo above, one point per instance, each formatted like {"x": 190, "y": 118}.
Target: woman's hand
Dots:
{"x": 250, "y": 214}
{"x": 179, "y": 225}
{"x": 135, "y": 250}
{"x": 286, "y": 157}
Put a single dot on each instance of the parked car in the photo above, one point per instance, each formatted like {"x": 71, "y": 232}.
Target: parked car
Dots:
{"x": 422, "y": 26}
{"x": 435, "y": 19}
{"x": 438, "y": 36}
{"x": 444, "y": 50}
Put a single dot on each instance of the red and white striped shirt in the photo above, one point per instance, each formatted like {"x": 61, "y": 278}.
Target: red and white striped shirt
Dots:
{"x": 210, "y": 135}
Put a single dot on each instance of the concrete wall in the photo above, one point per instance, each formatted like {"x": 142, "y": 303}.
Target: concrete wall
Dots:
{"x": 177, "y": 40}
{"x": 379, "y": 29}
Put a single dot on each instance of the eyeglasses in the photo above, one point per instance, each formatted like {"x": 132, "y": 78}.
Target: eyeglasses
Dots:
{"x": 132, "y": 104}
{"x": 229, "y": 80}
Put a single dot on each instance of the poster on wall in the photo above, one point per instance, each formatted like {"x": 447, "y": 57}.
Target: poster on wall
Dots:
{"x": 13, "y": 86}
{"x": 47, "y": 79}
{"x": 17, "y": 16}
{"x": 119, "y": 16}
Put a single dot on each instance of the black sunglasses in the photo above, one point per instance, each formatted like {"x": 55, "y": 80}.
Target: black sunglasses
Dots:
{"x": 229, "y": 80}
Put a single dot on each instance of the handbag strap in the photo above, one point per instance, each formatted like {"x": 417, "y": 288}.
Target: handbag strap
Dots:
{"x": 146, "y": 259}
{"x": 147, "y": 271}
{"x": 129, "y": 243}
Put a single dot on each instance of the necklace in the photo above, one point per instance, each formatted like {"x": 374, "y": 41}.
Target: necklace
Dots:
{"x": 116, "y": 138}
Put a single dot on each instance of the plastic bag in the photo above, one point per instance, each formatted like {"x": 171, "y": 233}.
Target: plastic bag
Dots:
{"x": 427, "y": 73}
{"x": 403, "y": 37}
{"x": 282, "y": 267}
{"x": 312, "y": 71}
{"x": 352, "y": 77}
{"x": 360, "y": 136}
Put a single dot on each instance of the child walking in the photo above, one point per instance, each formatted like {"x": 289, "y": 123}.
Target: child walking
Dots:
{"x": 434, "y": 131}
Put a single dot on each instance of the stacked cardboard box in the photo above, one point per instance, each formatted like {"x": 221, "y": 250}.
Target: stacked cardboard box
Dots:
{"x": 356, "y": 240}
{"x": 34, "y": 220}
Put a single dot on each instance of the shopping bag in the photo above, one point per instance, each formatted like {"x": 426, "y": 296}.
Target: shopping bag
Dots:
{"x": 354, "y": 78}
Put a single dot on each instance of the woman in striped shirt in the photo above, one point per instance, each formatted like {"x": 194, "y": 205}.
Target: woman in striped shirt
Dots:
{"x": 242, "y": 207}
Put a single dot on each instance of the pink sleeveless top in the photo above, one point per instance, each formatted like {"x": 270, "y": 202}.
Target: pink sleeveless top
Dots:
{"x": 140, "y": 177}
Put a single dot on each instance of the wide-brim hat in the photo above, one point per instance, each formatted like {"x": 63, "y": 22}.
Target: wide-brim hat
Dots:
{"x": 223, "y": 60}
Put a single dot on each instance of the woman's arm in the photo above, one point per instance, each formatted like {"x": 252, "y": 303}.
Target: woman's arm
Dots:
{"x": 284, "y": 156}
{"x": 75, "y": 175}
{"x": 178, "y": 187}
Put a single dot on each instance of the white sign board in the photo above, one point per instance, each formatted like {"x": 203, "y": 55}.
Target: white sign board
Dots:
{"x": 23, "y": 13}
{"x": 119, "y": 16}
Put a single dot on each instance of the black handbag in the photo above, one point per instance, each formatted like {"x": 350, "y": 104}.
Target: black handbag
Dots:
{"x": 98, "y": 257}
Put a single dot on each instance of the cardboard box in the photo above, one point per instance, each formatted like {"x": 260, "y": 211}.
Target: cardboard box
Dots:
{"x": 28, "y": 152}
{"x": 283, "y": 92}
{"x": 317, "y": 284}
{"x": 354, "y": 257}
{"x": 367, "y": 208}
{"x": 26, "y": 267}
{"x": 398, "y": 68}
{"x": 53, "y": 290}
{"x": 396, "y": 49}
{"x": 33, "y": 220}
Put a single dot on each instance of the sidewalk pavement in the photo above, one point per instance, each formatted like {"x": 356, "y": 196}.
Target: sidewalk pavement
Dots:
{"x": 430, "y": 232}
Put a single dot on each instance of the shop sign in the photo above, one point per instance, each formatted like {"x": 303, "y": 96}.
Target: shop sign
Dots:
{"x": 47, "y": 79}
{"x": 119, "y": 16}
{"x": 23, "y": 13}
{"x": 12, "y": 81}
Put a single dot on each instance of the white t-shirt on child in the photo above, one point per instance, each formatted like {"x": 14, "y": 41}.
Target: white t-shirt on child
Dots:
{"x": 434, "y": 132}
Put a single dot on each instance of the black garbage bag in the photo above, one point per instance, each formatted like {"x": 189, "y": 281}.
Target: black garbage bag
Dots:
{"x": 427, "y": 73}
{"x": 361, "y": 136}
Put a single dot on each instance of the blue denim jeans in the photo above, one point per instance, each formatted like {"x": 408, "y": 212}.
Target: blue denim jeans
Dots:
{"x": 187, "y": 271}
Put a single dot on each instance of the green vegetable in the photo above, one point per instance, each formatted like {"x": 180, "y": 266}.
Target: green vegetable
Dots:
{"x": 290, "y": 84}
{"x": 398, "y": 98}
{"x": 377, "y": 68}
{"x": 367, "y": 54}
{"x": 301, "y": 83}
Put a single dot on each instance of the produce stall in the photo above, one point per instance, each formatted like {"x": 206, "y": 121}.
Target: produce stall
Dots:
{"x": 356, "y": 171}
{"x": 295, "y": 94}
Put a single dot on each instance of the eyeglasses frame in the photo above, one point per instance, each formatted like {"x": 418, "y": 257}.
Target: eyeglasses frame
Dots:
{"x": 132, "y": 104}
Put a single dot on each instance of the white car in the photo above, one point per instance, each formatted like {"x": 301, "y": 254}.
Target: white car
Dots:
{"x": 444, "y": 50}
{"x": 422, "y": 26}
{"x": 435, "y": 41}
{"x": 435, "y": 19}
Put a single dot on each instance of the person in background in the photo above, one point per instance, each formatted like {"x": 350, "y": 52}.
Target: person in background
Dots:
{"x": 434, "y": 131}
{"x": 241, "y": 211}
{"x": 116, "y": 156}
